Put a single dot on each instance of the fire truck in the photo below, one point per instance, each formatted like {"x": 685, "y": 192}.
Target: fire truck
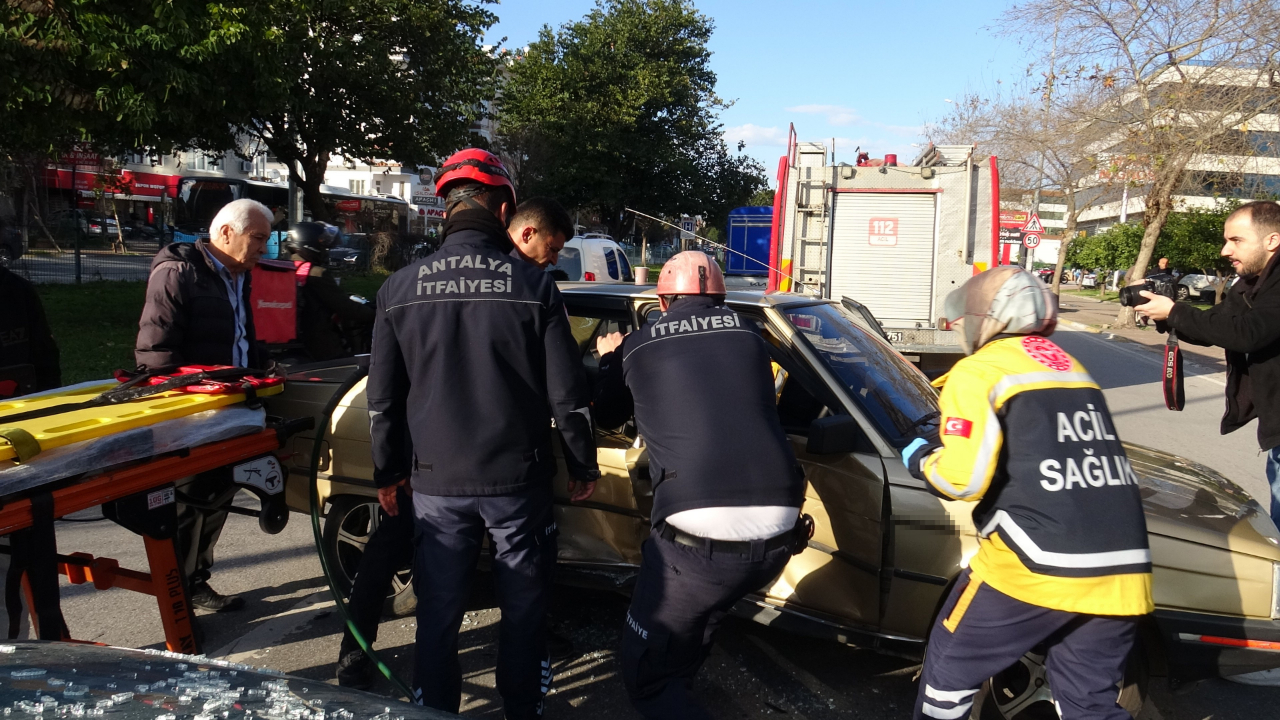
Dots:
{"x": 888, "y": 240}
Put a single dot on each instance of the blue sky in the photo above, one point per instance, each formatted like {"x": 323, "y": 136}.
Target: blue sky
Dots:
{"x": 868, "y": 74}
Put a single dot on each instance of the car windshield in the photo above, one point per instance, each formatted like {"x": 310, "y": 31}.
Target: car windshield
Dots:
{"x": 569, "y": 262}
{"x": 891, "y": 391}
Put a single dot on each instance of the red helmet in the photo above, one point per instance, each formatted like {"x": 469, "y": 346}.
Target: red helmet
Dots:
{"x": 691, "y": 273}
{"x": 473, "y": 164}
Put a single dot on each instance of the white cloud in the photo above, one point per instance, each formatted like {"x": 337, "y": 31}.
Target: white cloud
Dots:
{"x": 755, "y": 136}
{"x": 836, "y": 114}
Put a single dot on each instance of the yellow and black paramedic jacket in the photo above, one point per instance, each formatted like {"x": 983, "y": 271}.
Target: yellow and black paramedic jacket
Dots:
{"x": 1026, "y": 434}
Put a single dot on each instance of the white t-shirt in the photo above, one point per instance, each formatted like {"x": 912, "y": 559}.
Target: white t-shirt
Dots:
{"x": 752, "y": 522}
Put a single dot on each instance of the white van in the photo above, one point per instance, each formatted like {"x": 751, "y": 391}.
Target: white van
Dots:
{"x": 594, "y": 258}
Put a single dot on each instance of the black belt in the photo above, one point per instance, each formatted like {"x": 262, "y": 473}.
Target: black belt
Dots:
{"x": 670, "y": 532}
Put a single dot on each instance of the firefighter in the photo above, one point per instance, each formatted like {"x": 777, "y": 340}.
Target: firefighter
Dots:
{"x": 331, "y": 324}
{"x": 1063, "y": 557}
{"x": 473, "y": 357}
{"x": 727, "y": 489}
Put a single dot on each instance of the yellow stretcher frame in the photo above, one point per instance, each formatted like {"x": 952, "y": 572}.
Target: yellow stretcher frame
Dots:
{"x": 76, "y": 425}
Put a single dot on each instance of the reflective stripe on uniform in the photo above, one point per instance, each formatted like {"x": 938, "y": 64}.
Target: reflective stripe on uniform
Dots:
{"x": 962, "y": 604}
{"x": 1020, "y": 539}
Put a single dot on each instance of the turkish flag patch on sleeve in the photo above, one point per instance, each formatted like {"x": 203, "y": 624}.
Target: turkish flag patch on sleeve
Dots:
{"x": 957, "y": 426}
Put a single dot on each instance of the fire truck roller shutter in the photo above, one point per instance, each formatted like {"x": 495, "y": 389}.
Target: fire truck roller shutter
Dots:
{"x": 883, "y": 254}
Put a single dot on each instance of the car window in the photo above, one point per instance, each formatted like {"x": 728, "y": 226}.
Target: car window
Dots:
{"x": 611, "y": 263}
{"x": 626, "y": 267}
{"x": 891, "y": 391}
{"x": 569, "y": 262}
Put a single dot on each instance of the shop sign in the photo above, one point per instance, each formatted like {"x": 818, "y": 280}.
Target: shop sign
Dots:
{"x": 347, "y": 206}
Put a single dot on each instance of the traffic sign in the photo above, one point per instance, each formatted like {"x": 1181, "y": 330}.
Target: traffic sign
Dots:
{"x": 686, "y": 228}
{"x": 1031, "y": 240}
{"x": 1033, "y": 225}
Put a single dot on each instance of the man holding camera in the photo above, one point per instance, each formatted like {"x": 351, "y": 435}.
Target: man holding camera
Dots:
{"x": 1247, "y": 325}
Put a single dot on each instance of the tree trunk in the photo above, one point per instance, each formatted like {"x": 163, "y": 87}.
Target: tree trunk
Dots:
{"x": 1068, "y": 234}
{"x": 313, "y": 168}
{"x": 118, "y": 244}
{"x": 1158, "y": 204}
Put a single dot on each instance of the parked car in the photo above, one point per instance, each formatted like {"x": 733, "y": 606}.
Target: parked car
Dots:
{"x": 885, "y": 552}
{"x": 1089, "y": 281}
{"x": 101, "y": 225}
{"x": 593, "y": 258}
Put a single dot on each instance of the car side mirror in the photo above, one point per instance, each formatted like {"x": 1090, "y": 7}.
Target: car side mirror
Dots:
{"x": 833, "y": 434}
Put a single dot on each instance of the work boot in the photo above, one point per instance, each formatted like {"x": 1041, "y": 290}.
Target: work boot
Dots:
{"x": 206, "y": 598}
{"x": 355, "y": 670}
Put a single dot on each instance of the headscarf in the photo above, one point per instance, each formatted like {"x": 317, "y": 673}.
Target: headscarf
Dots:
{"x": 1002, "y": 301}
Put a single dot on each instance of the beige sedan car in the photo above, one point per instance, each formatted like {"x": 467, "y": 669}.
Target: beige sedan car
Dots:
{"x": 885, "y": 550}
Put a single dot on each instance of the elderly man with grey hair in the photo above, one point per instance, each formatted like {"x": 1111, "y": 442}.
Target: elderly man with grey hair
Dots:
{"x": 198, "y": 313}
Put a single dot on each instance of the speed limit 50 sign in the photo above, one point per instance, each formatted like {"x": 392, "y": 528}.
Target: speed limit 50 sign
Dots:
{"x": 1031, "y": 240}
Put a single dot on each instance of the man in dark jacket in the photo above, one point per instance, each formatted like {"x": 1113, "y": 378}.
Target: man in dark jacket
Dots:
{"x": 28, "y": 354}
{"x": 727, "y": 490}
{"x": 1247, "y": 325}
{"x": 473, "y": 359}
{"x": 198, "y": 313}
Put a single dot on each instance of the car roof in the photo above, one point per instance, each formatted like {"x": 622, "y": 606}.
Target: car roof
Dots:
{"x": 630, "y": 290}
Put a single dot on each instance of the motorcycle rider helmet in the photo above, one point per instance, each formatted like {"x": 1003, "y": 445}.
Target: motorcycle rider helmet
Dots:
{"x": 473, "y": 165}
{"x": 1005, "y": 300}
{"x": 312, "y": 240}
{"x": 689, "y": 273}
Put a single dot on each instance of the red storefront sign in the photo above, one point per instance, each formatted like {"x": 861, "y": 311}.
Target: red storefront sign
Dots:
{"x": 347, "y": 206}
{"x": 126, "y": 182}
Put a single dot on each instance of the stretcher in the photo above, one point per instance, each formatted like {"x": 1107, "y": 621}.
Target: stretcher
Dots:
{"x": 140, "y": 494}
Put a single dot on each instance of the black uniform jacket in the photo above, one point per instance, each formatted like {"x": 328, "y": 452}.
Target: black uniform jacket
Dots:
{"x": 1247, "y": 325}
{"x": 28, "y": 354}
{"x": 472, "y": 358}
{"x": 188, "y": 318}
{"x": 698, "y": 381}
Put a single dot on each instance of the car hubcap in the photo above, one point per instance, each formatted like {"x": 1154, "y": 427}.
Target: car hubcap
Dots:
{"x": 1022, "y": 691}
{"x": 354, "y": 531}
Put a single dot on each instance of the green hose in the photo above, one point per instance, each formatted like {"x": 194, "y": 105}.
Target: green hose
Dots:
{"x": 355, "y": 377}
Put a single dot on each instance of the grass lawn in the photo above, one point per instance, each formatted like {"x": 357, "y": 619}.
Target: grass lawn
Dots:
{"x": 95, "y": 325}
{"x": 1110, "y": 296}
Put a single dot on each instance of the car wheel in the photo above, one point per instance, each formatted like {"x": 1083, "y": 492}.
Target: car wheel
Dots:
{"x": 1183, "y": 292}
{"x": 6, "y": 256}
{"x": 347, "y": 527}
{"x": 1022, "y": 691}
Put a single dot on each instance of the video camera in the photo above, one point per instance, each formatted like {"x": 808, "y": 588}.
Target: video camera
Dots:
{"x": 1129, "y": 296}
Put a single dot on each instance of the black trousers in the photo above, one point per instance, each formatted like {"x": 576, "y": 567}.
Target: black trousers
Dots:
{"x": 680, "y": 599}
{"x": 389, "y": 549}
{"x": 981, "y": 631}
{"x": 198, "y": 529}
{"x": 449, "y": 533}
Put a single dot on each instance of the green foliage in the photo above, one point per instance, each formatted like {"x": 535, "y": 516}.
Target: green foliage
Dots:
{"x": 619, "y": 109}
{"x": 1192, "y": 240}
{"x": 93, "y": 344}
{"x": 1113, "y": 249}
{"x": 388, "y": 79}
{"x": 762, "y": 198}
{"x": 117, "y": 73}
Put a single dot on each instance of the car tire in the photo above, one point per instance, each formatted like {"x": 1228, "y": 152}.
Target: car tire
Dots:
{"x": 347, "y": 526}
{"x": 6, "y": 256}
{"x": 1022, "y": 692}
{"x": 1183, "y": 292}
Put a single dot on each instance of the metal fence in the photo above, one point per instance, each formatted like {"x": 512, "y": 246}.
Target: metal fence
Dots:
{"x": 85, "y": 260}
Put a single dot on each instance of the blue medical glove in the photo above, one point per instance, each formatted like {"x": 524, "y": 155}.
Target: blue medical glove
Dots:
{"x": 910, "y": 450}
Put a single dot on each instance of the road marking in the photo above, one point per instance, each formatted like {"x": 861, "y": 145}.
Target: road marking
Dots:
{"x": 1121, "y": 346}
{"x": 822, "y": 690}
{"x": 268, "y": 633}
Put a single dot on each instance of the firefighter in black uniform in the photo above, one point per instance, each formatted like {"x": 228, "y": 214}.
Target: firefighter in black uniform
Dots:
{"x": 472, "y": 359}
{"x": 28, "y": 354}
{"x": 727, "y": 489}
{"x": 330, "y": 324}
{"x": 1062, "y": 556}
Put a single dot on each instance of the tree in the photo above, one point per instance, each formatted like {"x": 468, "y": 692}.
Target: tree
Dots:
{"x": 377, "y": 79}
{"x": 1174, "y": 77}
{"x": 762, "y": 198}
{"x": 1112, "y": 249}
{"x": 619, "y": 109}
{"x": 1038, "y": 148}
{"x": 1193, "y": 240}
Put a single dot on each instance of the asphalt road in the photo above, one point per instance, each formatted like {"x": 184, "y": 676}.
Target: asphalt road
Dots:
{"x": 755, "y": 672}
{"x": 95, "y": 265}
